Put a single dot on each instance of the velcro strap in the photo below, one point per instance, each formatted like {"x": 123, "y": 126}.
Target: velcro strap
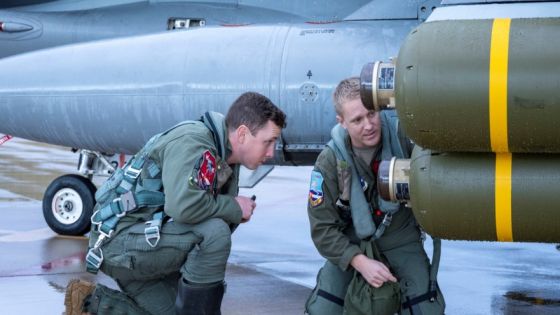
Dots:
{"x": 426, "y": 296}
{"x": 330, "y": 297}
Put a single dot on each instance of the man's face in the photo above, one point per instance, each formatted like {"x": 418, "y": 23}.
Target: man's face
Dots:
{"x": 258, "y": 148}
{"x": 364, "y": 126}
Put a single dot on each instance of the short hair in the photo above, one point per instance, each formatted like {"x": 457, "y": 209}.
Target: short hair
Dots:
{"x": 347, "y": 90}
{"x": 254, "y": 111}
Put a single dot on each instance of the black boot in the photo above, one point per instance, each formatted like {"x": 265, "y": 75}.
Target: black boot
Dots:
{"x": 199, "y": 299}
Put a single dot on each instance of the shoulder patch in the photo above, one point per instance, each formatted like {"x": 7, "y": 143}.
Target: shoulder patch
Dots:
{"x": 316, "y": 189}
{"x": 204, "y": 171}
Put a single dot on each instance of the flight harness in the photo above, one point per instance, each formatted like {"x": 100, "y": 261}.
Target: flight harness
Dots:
{"x": 125, "y": 192}
{"x": 359, "y": 207}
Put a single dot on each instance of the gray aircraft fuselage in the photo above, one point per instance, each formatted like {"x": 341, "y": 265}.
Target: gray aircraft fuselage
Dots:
{"x": 112, "y": 95}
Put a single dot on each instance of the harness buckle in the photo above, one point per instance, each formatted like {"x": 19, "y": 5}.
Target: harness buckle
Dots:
{"x": 387, "y": 219}
{"x": 151, "y": 232}
{"x": 93, "y": 222}
{"x": 94, "y": 260}
{"x": 132, "y": 172}
{"x": 126, "y": 202}
{"x": 102, "y": 236}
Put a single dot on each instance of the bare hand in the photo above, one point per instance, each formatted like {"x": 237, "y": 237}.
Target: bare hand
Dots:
{"x": 247, "y": 206}
{"x": 373, "y": 271}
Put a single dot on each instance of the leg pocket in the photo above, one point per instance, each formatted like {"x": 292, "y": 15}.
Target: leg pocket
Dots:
{"x": 169, "y": 254}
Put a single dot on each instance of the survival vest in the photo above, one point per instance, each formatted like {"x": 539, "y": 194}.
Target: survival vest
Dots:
{"x": 125, "y": 192}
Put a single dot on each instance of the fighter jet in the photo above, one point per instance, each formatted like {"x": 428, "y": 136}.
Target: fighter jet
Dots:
{"x": 104, "y": 76}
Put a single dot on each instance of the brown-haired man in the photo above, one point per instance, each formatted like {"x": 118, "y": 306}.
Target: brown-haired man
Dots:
{"x": 163, "y": 224}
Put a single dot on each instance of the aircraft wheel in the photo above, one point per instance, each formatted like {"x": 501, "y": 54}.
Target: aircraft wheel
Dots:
{"x": 68, "y": 204}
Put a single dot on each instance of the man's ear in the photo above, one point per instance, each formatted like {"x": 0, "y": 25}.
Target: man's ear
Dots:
{"x": 241, "y": 133}
{"x": 340, "y": 120}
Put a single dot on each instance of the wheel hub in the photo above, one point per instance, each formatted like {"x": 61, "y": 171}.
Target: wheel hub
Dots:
{"x": 67, "y": 206}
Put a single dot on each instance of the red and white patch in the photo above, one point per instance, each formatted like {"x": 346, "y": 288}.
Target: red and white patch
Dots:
{"x": 206, "y": 171}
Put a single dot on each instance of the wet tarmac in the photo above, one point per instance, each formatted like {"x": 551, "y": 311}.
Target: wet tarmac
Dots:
{"x": 273, "y": 262}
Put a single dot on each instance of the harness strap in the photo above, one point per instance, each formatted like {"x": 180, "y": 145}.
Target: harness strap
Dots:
{"x": 436, "y": 255}
{"x": 132, "y": 194}
{"x": 430, "y": 295}
{"x": 153, "y": 228}
{"x": 387, "y": 219}
{"x": 359, "y": 207}
{"x": 330, "y": 297}
{"x": 94, "y": 258}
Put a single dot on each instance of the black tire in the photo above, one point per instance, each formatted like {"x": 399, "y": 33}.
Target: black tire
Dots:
{"x": 70, "y": 213}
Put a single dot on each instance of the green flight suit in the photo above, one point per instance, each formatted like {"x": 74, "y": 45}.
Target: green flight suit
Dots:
{"x": 334, "y": 236}
{"x": 196, "y": 237}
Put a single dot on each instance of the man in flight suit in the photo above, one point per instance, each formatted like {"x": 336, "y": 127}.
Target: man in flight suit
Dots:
{"x": 334, "y": 222}
{"x": 193, "y": 170}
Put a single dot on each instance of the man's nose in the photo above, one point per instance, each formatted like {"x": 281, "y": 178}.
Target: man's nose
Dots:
{"x": 270, "y": 152}
{"x": 369, "y": 123}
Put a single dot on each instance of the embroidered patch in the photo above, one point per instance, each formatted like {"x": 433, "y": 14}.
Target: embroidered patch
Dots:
{"x": 316, "y": 189}
{"x": 204, "y": 172}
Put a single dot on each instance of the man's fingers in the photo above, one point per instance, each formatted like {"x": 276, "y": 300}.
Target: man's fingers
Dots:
{"x": 375, "y": 283}
{"x": 387, "y": 276}
{"x": 385, "y": 273}
{"x": 381, "y": 277}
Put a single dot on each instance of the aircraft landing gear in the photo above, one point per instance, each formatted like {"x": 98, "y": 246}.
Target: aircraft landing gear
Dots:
{"x": 69, "y": 200}
{"x": 68, "y": 204}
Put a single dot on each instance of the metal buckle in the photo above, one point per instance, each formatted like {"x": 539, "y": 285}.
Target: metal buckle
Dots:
{"x": 93, "y": 259}
{"x": 126, "y": 202}
{"x": 387, "y": 219}
{"x": 121, "y": 206}
{"x": 151, "y": 232}
{"x": 102, "y": 236}
{"x": 97, "y": 223}
{"x": 135, "y": 172}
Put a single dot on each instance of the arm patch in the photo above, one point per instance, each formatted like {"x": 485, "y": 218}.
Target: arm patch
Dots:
{"x": 316, "y": 189}
{"x": 204, "y": 171}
